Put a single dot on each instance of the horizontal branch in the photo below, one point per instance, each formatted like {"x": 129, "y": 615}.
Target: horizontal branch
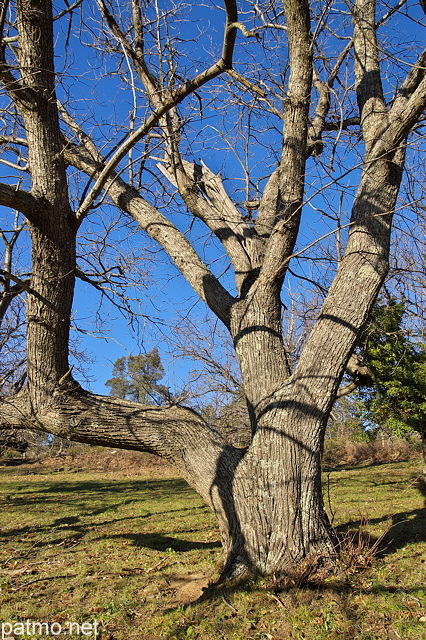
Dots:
{"x": 341, "y": 124}
{"x": 19, "y": 199}
{"x": 173, "y": 432}
{"x": 13, "y": 140}
{"x": 22, "y": 285}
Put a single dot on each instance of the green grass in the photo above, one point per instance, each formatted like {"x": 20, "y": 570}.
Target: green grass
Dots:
{"x": 134, "y": 553}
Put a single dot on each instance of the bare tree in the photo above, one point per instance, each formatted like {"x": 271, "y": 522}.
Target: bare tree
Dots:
{"x": 267, "y": 497}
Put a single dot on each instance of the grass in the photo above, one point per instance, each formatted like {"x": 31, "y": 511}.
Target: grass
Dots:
{"x": 134, "y": 553}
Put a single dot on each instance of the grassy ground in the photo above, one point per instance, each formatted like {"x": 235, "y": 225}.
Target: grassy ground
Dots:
{"x": 134, "y": 553}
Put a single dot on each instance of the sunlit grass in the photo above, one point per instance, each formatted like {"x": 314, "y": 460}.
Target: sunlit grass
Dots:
{"x": 134, "y": 552}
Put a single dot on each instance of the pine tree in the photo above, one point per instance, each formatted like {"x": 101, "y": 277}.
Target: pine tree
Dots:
{"x": 397, "y": 402}
{"x": 136, "y": 378}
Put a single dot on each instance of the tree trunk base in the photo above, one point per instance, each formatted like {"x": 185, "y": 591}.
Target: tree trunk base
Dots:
{"x": 312, "y": 570}
{"x": 271, "y": 512}
{"x": 423, "y": 438}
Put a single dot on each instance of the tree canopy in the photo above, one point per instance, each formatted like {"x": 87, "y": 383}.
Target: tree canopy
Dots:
{"x": 136, "y": 378}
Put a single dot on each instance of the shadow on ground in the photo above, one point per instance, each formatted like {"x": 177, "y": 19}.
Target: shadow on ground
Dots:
{"x": 406, "y": 527}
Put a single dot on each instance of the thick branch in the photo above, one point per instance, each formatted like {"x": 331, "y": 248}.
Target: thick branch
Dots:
{"x": 364, "y": 266}
{"x": 403, "y": 123}
{"x": 359, "y": 277}
{"x": 205, "y": 196}
{"x": 346, "y": 389}
{"x": 53, "y": 233}
{"x": 20, "y": 200}
{"x": 173, "y": 432}
{"x": 162, "y": 230}
{"x": 408, "y": 105}
{"x": 281, "y": 205}
{"x": 369, "y": 87}
{"x": 361, "y": 374}
{"x": 411, "y": 82}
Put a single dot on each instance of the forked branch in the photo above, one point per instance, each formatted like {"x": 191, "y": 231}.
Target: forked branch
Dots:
{"x": 175, "y": 98}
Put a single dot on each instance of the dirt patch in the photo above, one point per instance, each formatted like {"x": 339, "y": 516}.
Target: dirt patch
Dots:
{"x": 189, "y": 588}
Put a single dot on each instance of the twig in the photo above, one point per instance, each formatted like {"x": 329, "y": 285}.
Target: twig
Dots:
{"x": 227, "y": 603}
{"x": 277, "y": 599}
{"x": 28, "y": 553}
{"x": 27, "y": 584}
{"x": 155, "y": 566}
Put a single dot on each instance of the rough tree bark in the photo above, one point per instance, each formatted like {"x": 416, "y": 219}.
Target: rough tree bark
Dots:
{"x": 267, "y": 498}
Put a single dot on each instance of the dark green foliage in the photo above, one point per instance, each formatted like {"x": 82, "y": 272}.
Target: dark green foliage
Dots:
{"x": 136, "y": 378}
{"x": 397, "y": 402}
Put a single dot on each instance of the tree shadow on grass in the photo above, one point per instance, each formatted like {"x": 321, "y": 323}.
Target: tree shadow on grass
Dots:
{"x": 165, "y": 487}
{"x": 75, "y": 529}
{"x": 160, "y": 542}
{"x": 77, "y": 496}
{"x": 405, "y": 527}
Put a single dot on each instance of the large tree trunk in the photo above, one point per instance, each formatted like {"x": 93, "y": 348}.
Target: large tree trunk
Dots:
{"x": 52, "y": 224}
{"x": 276, "y": 504}
{"x": 267, "y": 498}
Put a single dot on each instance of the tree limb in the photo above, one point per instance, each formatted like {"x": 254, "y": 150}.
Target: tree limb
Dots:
{"x": 173, "y": 432}
{"x": 21, "y": 200}
{"x": 176, "y": 97}
{"x": 318, "y": 124}
{"x": 280, "y": 209}
{"x": 205, "y": 196}
{"x": 346, "y": 389}
{"x": 401, "y": 125}
{"x": 154, "y": 89}
{"x": 160, "y": 229}
{"x": 408, "y": 105}
{"x": 369, "y": 87}
{"x": 26, "y": 286}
